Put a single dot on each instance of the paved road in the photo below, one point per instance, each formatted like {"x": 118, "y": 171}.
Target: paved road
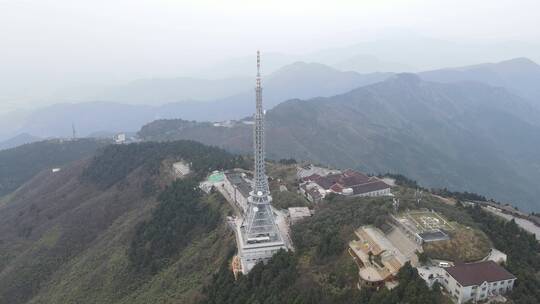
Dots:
{"x": 525, "y": 224}
{"x": 283, "y": 226}
{"x": 229, "y": 198}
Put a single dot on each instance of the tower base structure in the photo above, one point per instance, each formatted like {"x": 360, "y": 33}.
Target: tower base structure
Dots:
{"x": 252, "y": 253}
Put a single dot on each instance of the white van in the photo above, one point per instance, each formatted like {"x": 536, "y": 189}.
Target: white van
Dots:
{"x": 444, "y": 264}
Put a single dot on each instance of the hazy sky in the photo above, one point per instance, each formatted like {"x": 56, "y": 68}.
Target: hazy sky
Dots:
{"x": 45, "y": 45}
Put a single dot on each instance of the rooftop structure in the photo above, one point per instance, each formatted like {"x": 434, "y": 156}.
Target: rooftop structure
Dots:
{"x": 238, "y": 188}
{"x": 310, "y": 169}
{"x": 312, "y": 192}
{"x": 298, "y": 213}
{"x": 423, "y": 226}
{"x": 258, "y": 236}
{"x": 496, "y": 256}
{"x": 238, "y": 180}
{"x": 478, "y": 273}
{"x": 477, "y": 281}
{"x": 349, "y": 182}
{"x": 120, "y": 138}
{"x": 379, "y": 258}
{"x": 181, "y": 169}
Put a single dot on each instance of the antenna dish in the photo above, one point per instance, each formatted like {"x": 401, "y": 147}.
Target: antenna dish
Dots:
{"x": 255, "y": 209}
{"x": 259, "y": 193}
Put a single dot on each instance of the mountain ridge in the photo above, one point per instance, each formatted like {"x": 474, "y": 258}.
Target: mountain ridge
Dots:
{"x": 520, "y": 75}
{"x": 443, "y": 135}
{"x": 299, "y": 80}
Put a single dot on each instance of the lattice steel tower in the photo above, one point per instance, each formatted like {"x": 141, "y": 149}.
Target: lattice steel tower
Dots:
{"x": 260, "y": 223}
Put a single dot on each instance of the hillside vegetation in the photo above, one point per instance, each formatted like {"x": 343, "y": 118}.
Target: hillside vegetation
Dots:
{"x": 443, "y": 135}
{"x": 77, "y": 236}
{"x": 523, "y": 252}
{"x": 125, "y": 108}
{"x": 320, "y": 270}
{"x": 84, "y": 235}
{"x": 19, "y": 164}
{"x": 182, "y": 215}
{"x": 117, "y": 161}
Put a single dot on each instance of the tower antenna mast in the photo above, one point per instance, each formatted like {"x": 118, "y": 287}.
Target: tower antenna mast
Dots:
{"x": 260, "y": 235}
{"x": 74, "y": 134}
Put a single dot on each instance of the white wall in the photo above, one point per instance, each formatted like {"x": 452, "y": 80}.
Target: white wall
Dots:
{"x": 462, "y": 294}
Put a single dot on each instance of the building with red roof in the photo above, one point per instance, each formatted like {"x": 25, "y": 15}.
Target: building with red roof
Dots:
{"x": 348, "y": 182}
{"x": 477, "y": 281}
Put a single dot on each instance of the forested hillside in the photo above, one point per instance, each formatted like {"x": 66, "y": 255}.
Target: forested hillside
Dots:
{"x": 443, "y": 135}
{"x": 18, "y": 165}
{"x": 118, "y": 229}
{"x": 523, "y": 253}
{"x": 126, "y": 108}
{"x": 115, "y": 229}
{"x": 320, "y": 270}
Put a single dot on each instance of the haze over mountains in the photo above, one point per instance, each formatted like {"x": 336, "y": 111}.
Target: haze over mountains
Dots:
{"x": 519, "y": 75}
{"x": 129, "y": 145}
{"x": 477, "y": 130}
{"x": 298, "y": 80}
{"x": 389, "y": 51}
{"x": 466, "y": 136}
{"x": 398, "y": 51}
{"x": 18, "y": 140}
{"x": 231, "y": 98}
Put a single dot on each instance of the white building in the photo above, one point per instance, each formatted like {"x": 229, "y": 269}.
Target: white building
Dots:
{"x": 496, "y": 256}
{"x": 477, "y": 281}
{"x": 238, "y": 188}
{"x": 252, "y": 253}
{"x": 120, "y": 138}
{"x": 181, "y": 169}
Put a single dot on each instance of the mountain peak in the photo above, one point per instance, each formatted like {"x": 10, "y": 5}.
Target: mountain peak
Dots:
{"x": 519, "y": 64}
{"x": 408, "y": 78}
{"x": 520, "y": 61}
{"x": 301, "y": 66}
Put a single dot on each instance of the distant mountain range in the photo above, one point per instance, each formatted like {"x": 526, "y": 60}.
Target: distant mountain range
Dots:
{"x": 462, "y": 134}
{"x": 298, "y": 80}
{"x": 158, "y": 91}
{"x": 465, "y": 136}
{"x": 18, "y": 140}
{"x": 401, "y": 51}
{"x": 520, "y": 76}
{"x": 360, "y": 63}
